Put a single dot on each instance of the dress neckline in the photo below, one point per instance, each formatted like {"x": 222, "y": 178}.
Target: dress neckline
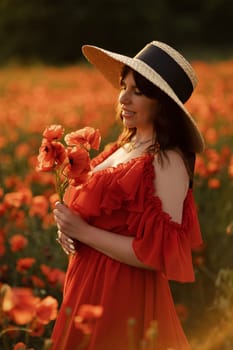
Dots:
{"x": 105, "y": 154}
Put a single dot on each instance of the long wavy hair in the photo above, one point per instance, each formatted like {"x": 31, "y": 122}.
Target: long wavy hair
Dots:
{"x": 168, "y": 124}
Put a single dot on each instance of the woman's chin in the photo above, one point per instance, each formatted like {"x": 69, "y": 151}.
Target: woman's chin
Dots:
{"x": 129, "y": 123}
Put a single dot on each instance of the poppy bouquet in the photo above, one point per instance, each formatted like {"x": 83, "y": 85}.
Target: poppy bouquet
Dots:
{"x": 70, "y": 162}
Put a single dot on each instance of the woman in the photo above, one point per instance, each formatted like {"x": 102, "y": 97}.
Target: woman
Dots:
{"x": 134, "y": 221}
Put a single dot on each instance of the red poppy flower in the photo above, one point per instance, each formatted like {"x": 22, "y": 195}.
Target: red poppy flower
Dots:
{"x": 51, "y": 153}
{"x": 18, "y": 217}
{"x": 45, "y": 269}
{"x": 53, "y": 132}
{"x": 18, "y": 242}
{"x": 37, "y": 282}
{"x": 214, "y": 183}
{"x": 198, "y": 260}
{"x": 182, "y": 312}
{"x": 78, "y": 167}
{"x": 24, "y": 264}
{"x": 22, "y": 150}
{"x": 86, "y": 317}
{"x": 54, "y": 276}
{"x": 20, "y": 304}
{"x": 39, "y": 206}
{"x": 46, "y": 310}
{"x": 13, "y": 199}
{"x": 88, "y": 137}
{"x": 16, "y": 199}
{"x": 37, "y": 329}
{"x": 20, "y": 346}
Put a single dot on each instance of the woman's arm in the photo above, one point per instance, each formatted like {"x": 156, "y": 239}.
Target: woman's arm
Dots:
{"x": 115, "y": 246}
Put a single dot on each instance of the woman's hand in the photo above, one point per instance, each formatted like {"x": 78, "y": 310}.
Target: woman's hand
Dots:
{"x": 70, "y": 226}
{"x": 66, "y": 243}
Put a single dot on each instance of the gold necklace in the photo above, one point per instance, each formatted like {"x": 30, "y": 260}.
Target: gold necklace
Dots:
{"x": 135, "y": 144}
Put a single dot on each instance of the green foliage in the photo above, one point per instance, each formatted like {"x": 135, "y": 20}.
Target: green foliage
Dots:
{"x": 53, "y": 31}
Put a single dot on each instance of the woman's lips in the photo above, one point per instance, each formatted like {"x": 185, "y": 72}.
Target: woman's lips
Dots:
{"x": 127, "y": 113}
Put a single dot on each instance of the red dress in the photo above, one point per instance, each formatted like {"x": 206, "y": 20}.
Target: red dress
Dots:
{"x": 121, "y": 199}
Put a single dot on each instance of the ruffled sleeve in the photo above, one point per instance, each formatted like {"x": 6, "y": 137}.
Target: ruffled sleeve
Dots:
{"x": 162, "y": 243}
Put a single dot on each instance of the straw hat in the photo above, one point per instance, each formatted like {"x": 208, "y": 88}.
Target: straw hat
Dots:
{"x": 163, "y": 66}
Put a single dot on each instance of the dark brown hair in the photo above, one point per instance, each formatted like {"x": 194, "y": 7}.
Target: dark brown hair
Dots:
{"x": 168, "y": 124}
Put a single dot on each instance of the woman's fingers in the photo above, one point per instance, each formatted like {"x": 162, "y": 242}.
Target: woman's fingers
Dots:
{"x": 66, "y": 243}
{"x": 63, "y": 218}
{"x": 70, "y": 223}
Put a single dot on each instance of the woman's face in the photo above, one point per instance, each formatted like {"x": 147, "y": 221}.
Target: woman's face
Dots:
{"x": 137, "y": 110}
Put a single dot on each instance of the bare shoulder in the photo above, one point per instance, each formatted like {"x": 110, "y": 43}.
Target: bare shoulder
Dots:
{"x": 171, "y": 179}
{"x": 172, "y": 163}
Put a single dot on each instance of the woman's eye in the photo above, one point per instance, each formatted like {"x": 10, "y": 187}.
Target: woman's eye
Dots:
{"x": 134, "y": 90}
{"x": 137, "y": 92}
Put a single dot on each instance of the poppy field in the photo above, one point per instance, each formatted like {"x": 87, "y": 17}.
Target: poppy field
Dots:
{"x": 32, "y": 264}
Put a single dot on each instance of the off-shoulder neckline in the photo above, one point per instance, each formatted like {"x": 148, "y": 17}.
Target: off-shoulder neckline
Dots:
{"x": 105, "y": 154}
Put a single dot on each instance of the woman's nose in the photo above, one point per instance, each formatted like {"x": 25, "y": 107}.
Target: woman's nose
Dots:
{"x": 124, "y": 97}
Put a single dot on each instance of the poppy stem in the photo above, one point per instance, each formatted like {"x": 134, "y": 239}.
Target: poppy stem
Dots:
{"x": 60, "y": 184}
{"x": 10, "y": 329}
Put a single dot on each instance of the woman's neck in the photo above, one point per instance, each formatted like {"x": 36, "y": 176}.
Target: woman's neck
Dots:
{"x": 142, "y": 136}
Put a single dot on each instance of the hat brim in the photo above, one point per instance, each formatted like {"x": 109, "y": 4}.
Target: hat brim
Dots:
{"x": 110, "y": 64}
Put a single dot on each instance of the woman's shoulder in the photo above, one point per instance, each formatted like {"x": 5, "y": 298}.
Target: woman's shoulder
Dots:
{"x": 171, "y": 163}
{"x": 171, "y": 182}
{"x": 170, "y": 159}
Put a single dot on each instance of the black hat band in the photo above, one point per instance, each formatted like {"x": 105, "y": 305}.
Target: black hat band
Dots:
{"x": 168, "y": 69}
